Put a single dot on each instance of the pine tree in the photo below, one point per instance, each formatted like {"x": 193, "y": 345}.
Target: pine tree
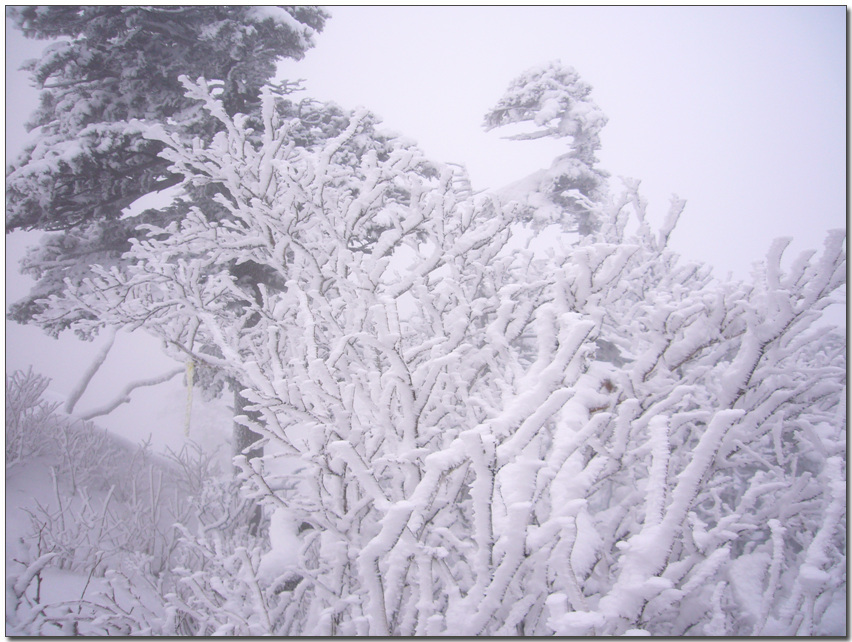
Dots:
{"x": 112, "y": 72}
{"x": 556, "y": 101}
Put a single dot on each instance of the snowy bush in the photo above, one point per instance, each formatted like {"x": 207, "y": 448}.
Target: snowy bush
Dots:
{"x": 705, "y": 469}
{"x": 475, "y": 425}
{"x": 29, "y": 417}
{"x": 109, "y": 515}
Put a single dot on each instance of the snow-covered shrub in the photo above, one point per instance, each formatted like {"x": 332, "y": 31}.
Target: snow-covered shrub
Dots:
{"x": 109, "y": 515}
{"x": 29, "y": 417}
{"x": 123, "y": 538}
{"x": 693, "y": 483}
{"x": 475, "y": 426}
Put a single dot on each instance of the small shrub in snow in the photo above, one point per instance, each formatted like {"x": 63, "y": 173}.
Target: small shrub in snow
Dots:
{"x": 29, "y": 417}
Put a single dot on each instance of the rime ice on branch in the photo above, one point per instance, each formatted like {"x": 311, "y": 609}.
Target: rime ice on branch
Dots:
{"x": 468, "y": 439}
{"x": 557, "y": 102}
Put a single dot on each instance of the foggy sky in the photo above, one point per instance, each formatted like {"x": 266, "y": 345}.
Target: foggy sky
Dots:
{"x": 739, "y": 110}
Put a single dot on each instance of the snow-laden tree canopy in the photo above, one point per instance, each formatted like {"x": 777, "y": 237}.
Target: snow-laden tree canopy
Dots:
{"x": 108, "y": 73}
{"x": 557, "y": 102}
{"x": 476, "y": 425}
{"x": 114, "y": 64}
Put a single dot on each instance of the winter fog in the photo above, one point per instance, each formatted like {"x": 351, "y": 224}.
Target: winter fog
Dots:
{"x": 426, "y": 321}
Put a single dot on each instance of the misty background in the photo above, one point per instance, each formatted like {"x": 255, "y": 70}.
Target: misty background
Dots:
{"x": 739, "y": 110}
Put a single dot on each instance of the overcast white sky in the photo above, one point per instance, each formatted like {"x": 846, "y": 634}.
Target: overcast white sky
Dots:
{"x": 739, "y": 110}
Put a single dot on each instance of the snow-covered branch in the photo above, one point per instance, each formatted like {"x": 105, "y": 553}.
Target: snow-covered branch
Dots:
{"x": 124, "y": 396}
{"x": 466, "y": 434}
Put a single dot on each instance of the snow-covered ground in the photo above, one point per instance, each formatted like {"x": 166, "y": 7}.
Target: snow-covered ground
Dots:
{"x": 90, "y": 520}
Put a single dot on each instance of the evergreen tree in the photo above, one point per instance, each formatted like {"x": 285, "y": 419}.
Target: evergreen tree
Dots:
{"x": 111, "y": 70}
{"x": 111, "y": 73}
{"x": 557, "y": 102}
